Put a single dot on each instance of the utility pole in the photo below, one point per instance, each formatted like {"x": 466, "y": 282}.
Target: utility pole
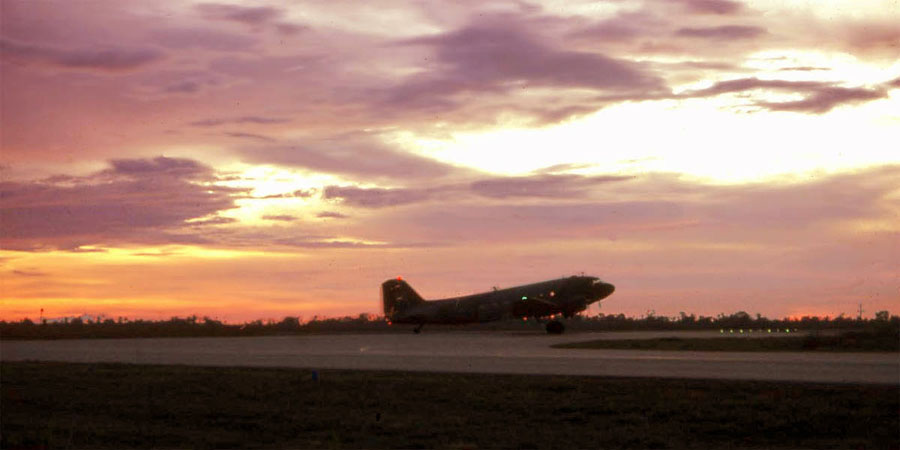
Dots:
{"x": 859, "y": 317}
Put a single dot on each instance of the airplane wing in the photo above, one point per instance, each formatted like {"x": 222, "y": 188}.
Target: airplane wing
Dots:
{"x": 534, "y": 307}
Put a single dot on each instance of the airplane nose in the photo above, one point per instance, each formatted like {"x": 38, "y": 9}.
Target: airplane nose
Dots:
{"x": 603, "y": 290}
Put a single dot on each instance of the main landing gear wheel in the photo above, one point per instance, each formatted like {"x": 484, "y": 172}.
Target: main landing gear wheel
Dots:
{"x": 555, "y": 327}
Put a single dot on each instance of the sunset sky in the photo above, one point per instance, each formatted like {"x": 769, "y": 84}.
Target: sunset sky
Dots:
{"x": 253, "y": 160}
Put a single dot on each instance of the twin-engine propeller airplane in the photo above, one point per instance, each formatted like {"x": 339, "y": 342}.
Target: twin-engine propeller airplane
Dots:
{"x": 567, "y": 296}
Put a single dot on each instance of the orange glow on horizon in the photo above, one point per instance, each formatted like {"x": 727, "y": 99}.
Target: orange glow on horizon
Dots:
{"x": 714, "y": 163}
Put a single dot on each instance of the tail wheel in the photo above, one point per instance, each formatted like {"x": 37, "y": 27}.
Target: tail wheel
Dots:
{"x": 555, "y": 327}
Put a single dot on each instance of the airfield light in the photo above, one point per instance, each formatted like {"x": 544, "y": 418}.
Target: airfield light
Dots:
{"x": 721, "y": 330}
{"x": 770, "y": 330}
{"x": 524, "y": 297}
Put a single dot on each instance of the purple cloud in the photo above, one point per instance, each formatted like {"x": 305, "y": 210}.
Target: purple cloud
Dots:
{"x": 300, "y": 193}
{"x": 279, "y": 217}
{"x": 745, "y": 84}
{"x": 105, "y": 59}
{"x": 135, "y": 200}
{"x": 258, "y": 120}
{"x": 550, "y": 186}
{"x": 803, "y": 69}
{"x": 826, "y": 99}
{"x": 182, "y": 87}
{"x": 202, "y": 38}
{"x": 620, "y": 28}
{"x": 253, "y": 136}
{"x": 711, "y": 6}
{"x": 359, "y": 154}
{"x": 159, "y": 166}
{"x": 483, "y": 56}
{"x": 217, "y": 220}
{"x": 374, "y": 197}
{"x": 337, "y": 243}
{"x": 821, "y": 97}
{"x": 247, "y": 15}
{"x": 289, "y": 29}
{"x": 500, "y": 59}
{"x": 847, "y": 196}
{"x": 29, "y": 273}
{"x": 691, "y": 212}
{"x": 725, "y": 32}
{"x": 331, "y": 215}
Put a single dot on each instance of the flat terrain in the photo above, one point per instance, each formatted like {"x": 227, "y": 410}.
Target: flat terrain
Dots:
{"x": 58, "y": 405}
{"x": 498, "y": 352}
{"x": 846, "y": 342}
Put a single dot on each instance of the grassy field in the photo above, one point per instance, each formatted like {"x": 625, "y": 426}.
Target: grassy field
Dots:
{"x": 846, "y": 342}
{"x": 57, "y": 405}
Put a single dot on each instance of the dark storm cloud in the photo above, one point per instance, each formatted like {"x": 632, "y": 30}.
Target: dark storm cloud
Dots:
{"x": 725, "y": 32}
{"x": 105, "y": 59}
{"x": 135, "y": 200}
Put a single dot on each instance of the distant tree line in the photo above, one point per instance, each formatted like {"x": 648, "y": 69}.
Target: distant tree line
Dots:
{"x": 193, "y": 326}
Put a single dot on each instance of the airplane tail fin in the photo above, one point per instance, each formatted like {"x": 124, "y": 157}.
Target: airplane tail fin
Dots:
{"x": 397, "y": 296}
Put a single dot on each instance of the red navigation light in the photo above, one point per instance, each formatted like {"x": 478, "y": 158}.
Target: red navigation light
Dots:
{"x": 389, "y": 323}
{"x": 399, "y": 278}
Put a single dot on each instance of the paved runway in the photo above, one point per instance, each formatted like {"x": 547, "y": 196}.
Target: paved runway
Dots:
{"x": 488, "y": 352}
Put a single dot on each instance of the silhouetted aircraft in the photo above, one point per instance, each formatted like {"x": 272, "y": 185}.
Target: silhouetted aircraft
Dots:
{"x": 566, "y": 296}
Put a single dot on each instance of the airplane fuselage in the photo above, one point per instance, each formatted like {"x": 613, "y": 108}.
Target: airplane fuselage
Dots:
{"x": 566, "y": 296}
